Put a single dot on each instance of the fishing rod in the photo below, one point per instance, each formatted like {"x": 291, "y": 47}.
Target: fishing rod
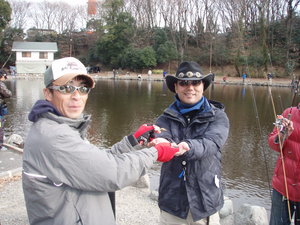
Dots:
{"x": 6, "y": 60}
{"x": 272, "y": 72}
{"x": 277, "y": 123}
{"x": 259, "y": 126}
{"x": 210, "y": 53}
{"x": 280, "y": 141}
{"x": 295, "y": 87}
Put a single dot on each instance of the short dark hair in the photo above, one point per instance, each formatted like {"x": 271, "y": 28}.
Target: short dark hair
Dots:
{"x": 85, "y": 79}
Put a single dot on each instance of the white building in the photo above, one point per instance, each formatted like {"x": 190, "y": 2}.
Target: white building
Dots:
{"x": 33, "y": 57}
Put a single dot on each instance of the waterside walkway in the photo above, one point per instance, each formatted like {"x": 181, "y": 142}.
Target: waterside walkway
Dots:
{"x": 279, "y": 82}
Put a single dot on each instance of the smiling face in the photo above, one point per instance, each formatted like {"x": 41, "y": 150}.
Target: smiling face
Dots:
{"x": 69, "y": 105}
{"x": 189, "y": 93}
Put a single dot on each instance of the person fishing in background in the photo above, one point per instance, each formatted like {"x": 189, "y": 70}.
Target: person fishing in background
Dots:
{"x": 4, "y": 93}
{"x": 190, "y": 189}
{"x": 285, "y": 139}
{"x": 244, "y": 76}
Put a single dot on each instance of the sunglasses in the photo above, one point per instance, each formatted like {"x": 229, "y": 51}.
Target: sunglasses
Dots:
{"x": 189, "y": 82}
{"x": 69, "y": 89}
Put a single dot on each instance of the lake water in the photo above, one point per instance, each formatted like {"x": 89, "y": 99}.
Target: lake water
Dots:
{"x": 119, "y": 107}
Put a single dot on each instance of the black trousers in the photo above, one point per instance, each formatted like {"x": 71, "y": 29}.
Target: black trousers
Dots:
{"x": 112, "y": 197}
{"x": 1, "y": 131}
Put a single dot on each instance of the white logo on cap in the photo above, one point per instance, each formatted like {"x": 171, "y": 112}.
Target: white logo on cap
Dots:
{"x": 71, "y": 66}
{"x": 64, "y": 66}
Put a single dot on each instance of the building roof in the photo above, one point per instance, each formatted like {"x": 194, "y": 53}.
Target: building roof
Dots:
{"x": 22, "y": 46}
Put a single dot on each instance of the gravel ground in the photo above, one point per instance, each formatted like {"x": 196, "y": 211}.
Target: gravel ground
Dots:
{"x": 133, "y": 205}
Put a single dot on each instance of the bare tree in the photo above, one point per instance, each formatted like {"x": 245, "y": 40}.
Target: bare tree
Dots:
{"x": 233, "y": 16}
{"x": 19, "y": 13}
{"x": 69, "y": 18}
{"x": 137, "y": 9}
{"x": 291, "y": 8}
{"x": 44, "y": 14}
{"x": 59, "y": 16}
{"x": 64, "y": 20}
{"x": 49, "y": 13}
{"x": 36, "y": 17}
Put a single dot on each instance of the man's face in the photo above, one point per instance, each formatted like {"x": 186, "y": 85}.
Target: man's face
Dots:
{"x": 70, "y": 105}
{"x": 189, "y": 92}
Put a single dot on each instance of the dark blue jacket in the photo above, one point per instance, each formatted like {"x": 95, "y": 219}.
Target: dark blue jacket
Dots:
{"x": 193, "y": 181}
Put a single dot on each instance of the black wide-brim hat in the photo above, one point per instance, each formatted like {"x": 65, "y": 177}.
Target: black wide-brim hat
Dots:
{"x": 189, "y": 71}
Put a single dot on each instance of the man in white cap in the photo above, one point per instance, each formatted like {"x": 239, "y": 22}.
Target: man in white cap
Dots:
{"x": 190, "y": 190}
{"x": 66, "y": 179}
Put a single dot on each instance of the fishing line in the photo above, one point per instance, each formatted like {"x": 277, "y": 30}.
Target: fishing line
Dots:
{"x": 260, "y": 130}
{"x": 256, "y": 111}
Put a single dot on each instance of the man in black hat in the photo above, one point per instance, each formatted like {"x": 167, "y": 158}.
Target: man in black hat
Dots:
{"x": 190, "y": 190}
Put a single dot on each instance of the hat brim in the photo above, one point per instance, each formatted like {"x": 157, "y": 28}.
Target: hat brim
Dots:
{"x": 67, "y": 77}
{"x": 171, "y": 80}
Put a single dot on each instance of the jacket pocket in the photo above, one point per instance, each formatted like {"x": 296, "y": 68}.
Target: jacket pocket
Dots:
{"x": 172, "y": 195}
{"x": 211, "y": 190}
{"x": 278, "y": 166}
{"x": 78, "y": 218}
{"x": 72, "y": 199}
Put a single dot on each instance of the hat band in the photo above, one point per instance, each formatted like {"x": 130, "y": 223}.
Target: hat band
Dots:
{"x": 190, "y": 74}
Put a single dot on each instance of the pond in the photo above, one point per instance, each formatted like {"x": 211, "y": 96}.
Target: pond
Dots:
{"x": 119, "y": 107}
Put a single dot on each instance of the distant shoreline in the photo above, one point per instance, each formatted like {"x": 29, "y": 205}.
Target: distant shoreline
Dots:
{"x": 282, "y": 82}
{"x": 279, "y": 82}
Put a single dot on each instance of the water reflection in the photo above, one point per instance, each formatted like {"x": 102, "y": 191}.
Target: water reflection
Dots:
{"x": 119, "y": 107}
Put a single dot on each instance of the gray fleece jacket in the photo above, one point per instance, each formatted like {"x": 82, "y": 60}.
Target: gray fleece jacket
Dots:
{"x": 66, "y": 179}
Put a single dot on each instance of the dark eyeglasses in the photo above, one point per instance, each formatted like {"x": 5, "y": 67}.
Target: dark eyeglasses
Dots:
{"x": 189, "y": 82}
{"x": 69, "y": 89}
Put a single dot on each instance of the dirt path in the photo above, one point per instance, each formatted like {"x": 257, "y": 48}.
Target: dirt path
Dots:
{"x": 218, "y": 79}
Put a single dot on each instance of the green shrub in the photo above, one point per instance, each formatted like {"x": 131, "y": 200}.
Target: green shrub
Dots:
{"x": 157, "y": 71}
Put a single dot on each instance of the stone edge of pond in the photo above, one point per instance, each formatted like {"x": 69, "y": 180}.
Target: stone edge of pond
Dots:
{"x": 11, "y": 173}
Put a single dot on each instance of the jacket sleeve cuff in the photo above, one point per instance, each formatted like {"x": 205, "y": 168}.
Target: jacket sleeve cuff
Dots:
{"x": 276, "y": 140}
{"x": 132, "y": 140}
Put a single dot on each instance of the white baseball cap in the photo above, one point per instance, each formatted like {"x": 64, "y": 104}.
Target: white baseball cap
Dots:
{"x": 63, "y": 70}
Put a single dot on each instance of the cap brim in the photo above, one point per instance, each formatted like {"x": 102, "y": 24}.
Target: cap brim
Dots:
{"x": 67, "y": 77}
{"x": 171, "y": 80}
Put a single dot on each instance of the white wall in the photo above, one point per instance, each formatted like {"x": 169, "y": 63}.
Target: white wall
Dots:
{"x": 31, "y": 67}
{"x": 33, "y": 64}
{"x": 34, "y": 56}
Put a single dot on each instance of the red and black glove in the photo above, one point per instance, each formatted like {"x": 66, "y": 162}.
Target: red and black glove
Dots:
{"x": 165, "y": 152}
{"x": 145, "y": 133}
